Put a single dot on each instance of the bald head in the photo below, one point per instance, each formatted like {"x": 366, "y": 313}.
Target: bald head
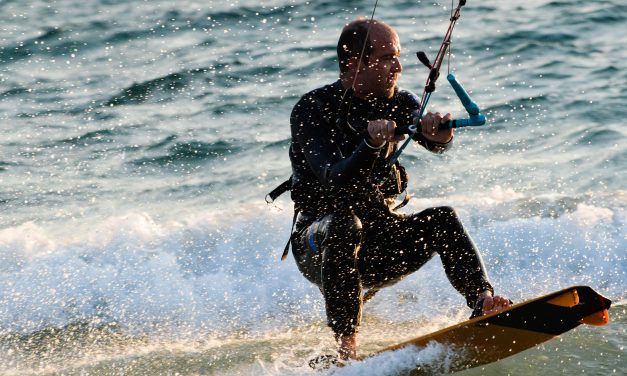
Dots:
{"x": 376, "y": 73}
{"x": 355, "y": 38}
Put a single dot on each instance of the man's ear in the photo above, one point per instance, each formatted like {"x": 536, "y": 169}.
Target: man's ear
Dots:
{"x": 354, "y": 63}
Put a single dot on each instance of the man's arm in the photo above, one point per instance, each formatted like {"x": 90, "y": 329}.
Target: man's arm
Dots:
{"x": 314, "y": 135}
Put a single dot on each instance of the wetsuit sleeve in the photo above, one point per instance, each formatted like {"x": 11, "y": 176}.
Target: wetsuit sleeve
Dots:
{"x": 318, "y": 142}
{"x": 434, "y": 147}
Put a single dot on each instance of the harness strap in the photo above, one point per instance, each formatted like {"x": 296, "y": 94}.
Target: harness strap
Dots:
{"x": 276, "y": 192}
{"x": 286, "y": 250}
{"x": 404, "y": 202}
{"x": 273, "y": 195}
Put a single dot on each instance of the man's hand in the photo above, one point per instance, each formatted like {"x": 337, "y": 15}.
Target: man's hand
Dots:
{"x": 430, "y": 127}
{"x": 382, "y": 131}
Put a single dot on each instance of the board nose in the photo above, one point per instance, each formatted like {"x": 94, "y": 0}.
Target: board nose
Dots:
{"x": 601, "y": 316}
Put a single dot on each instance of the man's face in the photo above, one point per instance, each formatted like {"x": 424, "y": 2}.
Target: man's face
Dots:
{"x": 377, "y": 77}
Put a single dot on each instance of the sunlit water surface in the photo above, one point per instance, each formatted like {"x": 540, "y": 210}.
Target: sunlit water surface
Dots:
{"x": 139, "y": 138}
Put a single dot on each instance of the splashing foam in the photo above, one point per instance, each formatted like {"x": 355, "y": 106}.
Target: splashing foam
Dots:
{"x": 204, "y": 275}
{"x": 433, "y": 359}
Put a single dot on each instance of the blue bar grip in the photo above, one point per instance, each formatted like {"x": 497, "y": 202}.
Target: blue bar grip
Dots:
{"x": 472, "y": 121}
{"x": 471, "y": 107}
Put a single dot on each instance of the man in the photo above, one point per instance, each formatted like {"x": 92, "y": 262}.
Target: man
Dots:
{"x": 347, "y": 238}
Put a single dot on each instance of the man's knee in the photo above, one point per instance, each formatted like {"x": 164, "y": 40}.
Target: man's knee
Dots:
{"x": 441, "y": 218}
{"x": 340, "y": 237}
{"x": 445, "y": 212}
{"x": 345, "y": 227}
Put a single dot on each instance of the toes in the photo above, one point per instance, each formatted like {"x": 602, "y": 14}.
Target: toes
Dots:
{"x": 501, "y": 303}
{"x": 488, "y": 305}
{"x": 495, "y": 304}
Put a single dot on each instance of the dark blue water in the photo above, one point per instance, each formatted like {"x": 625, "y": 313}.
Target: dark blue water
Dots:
{"x": 138, "y": 139}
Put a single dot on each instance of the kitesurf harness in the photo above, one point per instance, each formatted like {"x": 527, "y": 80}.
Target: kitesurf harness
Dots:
{"x": 475, "y": 117}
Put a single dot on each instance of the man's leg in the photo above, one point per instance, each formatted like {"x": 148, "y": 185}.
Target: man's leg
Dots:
{"x": 326, "y": 253}
{"x": 341, "y": 284}
{"x": 396, "y": 246}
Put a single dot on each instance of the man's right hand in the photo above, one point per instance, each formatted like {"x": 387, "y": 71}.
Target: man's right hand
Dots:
{"x": 430, "y": 127}
{"x": 382, "y": 131}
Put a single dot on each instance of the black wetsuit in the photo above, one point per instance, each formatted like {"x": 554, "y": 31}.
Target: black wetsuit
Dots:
{"x": 347, "y": 238}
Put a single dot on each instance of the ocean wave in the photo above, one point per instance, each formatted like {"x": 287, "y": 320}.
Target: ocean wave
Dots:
{"x": 29, "y": 47}
{"x": 100, "y": 136}
{"x": 206, "y": 272}
{"x": 599, "y": 136}
{"x": 517, "y": 39}
{"x": 5, "y": 165}
{"x": 18, "y": 91}
{"x": 278, "y": 144}
{"x": 500, "y": 113}
{"x": 189, "y": 151}
{"x": 124, "y": 36}
{"x": 602, "y": 13}
{"x": 254, "y": 14}
{"x": 224, "y": 75}
{"x": 159, "y": 90}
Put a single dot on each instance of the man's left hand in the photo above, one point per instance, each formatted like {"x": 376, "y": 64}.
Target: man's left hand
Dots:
{"x": 430, "y": 127}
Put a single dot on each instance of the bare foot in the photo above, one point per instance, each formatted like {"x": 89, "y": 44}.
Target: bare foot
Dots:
{"x": 493, "y": 304}
{"x": 347, "y": 346}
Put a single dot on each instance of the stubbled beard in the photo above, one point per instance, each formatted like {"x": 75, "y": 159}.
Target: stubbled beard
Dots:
{"x": 390, "y": 84}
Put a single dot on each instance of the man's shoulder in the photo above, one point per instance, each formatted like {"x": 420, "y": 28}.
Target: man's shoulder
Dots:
{"x": 407, "y": 98}
{"x": 327, "y": 93}
{"x": 325, "y": 99}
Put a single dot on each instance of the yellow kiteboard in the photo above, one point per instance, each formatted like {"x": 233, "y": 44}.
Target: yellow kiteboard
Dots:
{"x": 490, "y": 338}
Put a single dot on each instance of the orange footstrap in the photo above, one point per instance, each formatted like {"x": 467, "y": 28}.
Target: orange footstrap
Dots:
{"x": 597, "y": 318}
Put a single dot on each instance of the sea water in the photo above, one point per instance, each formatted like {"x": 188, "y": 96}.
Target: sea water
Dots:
{"x": 139, "y": 138}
